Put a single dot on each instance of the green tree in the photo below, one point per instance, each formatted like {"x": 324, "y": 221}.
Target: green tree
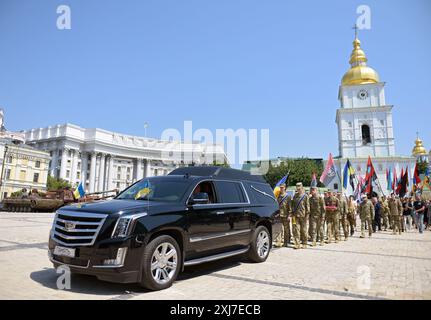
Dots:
{"x": 422, "y": 166}
{"x": 56, "y": 183}
{"x": 300, "y": 170}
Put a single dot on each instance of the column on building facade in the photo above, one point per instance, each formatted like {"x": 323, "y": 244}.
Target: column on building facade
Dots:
{"x": 93, "y": 172}
{"x": 148, "y": 168}
{"x": 54, "y": 163}
{"x": 110, "y": 168}
{"x": 101, "y": 172}
{"x": 63, "y": 167}
{"x": 139, "y": 170}
{"x": 74, "y": 167}
{"x": 84, "y": 165}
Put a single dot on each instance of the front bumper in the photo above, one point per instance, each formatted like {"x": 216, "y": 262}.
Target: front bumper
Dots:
{"x": 89, "y": 260}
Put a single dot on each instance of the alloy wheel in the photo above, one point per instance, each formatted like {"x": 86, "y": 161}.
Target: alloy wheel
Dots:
{"x": 262, "y": 244}
{"x": 164, "y": 263}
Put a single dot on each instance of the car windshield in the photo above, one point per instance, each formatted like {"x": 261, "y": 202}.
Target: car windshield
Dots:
{"x": 156, "y": 189}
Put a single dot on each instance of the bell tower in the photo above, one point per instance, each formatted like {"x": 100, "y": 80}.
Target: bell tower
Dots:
{"x": 364, "y": 119}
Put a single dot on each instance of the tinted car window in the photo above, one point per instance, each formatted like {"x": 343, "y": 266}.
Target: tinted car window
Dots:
{"x": 156, "y": 189}
{"x": 261, "y": 193}
{"x": 230, "y": 192}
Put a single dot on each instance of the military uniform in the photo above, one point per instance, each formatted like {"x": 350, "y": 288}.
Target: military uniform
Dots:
{"x": 332, "y": 205}
{"x": 317, "y": 218}
{"x": 385, "y": 214}
{"x": 396, "y": 213}
{"x": 343, "y": 217}
{"x": 300, "y": 209}
{"x": 283, "y": 202}
{"x": 351, "y": 217}
{"x": 366, "y": 213}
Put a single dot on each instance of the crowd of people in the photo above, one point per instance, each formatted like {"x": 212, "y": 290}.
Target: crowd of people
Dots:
{"x": 310, "y": 218}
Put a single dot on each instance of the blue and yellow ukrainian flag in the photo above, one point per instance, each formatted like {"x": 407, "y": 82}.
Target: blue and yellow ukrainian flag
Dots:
{"x": 79, "y": 191}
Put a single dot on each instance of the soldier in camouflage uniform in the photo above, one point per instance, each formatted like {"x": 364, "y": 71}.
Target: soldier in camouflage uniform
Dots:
{"x": 385, "y": 213}
{"x": 283, "y": 202}
{"x": 366, "y": 213}
{"x": 343, "y": 215}
{"x": 300, "y": 208}
{"x": 396, "y": 213}
{"x": 332, "y": 205}
{"x": 317, "y": 217}
{"x": 351, "y": 214}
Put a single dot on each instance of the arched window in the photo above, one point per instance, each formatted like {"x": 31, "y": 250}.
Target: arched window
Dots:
{"x": 366, "y": 137}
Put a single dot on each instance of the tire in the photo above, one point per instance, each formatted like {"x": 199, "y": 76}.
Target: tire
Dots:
{"x": 259, "y": 252}
{"x": 163, "y": 274}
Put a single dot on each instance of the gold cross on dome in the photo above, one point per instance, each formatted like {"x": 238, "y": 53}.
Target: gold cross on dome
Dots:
{"x": 356, "y": 30}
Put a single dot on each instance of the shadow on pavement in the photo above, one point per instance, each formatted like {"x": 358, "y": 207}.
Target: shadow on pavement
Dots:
{"x": 90, "y": 285}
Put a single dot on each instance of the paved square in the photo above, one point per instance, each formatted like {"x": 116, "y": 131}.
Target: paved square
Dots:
{"x": 383, "y": 267}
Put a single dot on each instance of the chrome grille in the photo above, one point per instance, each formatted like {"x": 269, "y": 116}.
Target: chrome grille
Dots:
{"x": 77, "y": 228}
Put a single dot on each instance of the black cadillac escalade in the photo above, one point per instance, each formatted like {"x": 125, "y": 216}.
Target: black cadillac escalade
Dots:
{"x": 159, "y": 225}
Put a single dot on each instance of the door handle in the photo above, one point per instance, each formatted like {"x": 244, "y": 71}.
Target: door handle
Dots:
{"x": 247, "y": 211}
{"x": 220, "y": 212}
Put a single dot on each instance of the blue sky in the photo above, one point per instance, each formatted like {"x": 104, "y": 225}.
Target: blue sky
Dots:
{"x": 222, "y": 64}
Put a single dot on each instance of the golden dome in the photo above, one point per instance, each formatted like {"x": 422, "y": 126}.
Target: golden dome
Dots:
{"x": 359, "y": 72}
{"x": 419, "y": 149}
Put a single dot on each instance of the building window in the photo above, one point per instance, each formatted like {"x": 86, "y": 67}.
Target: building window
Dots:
{"x": 9, "y": 159}
{"x": 67, "y": 173}
{"x": 79, "y": 165}
{"x": 155, "y": 172}
{"x": 7, "y": 174}
{"x": 37, "y": 165}
{"x": 22, "y": 175}
{"x": 118, "y": 185}
{"x": 36, "y": 177}
{"x": 5, "y": 195}
{"x": 128, "y": 169}
{"x": 78, "y": 175}
{"x": 366, "y": 135}
{"x": 382, "y": 122}
{"x": 118, "y": 176}
{"x": 335, "y": 186}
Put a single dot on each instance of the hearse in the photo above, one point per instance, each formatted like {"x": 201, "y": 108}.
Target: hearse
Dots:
{"x": 159, "y": 225}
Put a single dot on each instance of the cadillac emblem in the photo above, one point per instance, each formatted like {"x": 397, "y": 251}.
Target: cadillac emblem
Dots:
{"x": 69, "y": 226}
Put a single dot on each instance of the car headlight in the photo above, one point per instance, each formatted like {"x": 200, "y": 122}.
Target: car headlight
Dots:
{"x": 124, "y": 225}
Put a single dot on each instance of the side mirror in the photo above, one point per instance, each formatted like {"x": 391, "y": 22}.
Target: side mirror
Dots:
{"x": 199, "y": 198}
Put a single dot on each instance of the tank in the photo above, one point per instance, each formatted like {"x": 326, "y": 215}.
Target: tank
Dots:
{"x": 36, "y": 201}
{"x": 17, "y": 205}
{"x": 50, "y": 201}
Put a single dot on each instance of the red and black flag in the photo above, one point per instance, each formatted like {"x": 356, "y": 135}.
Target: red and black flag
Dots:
{"x": 404, "y": 183}
{"x": 370, "y": 177}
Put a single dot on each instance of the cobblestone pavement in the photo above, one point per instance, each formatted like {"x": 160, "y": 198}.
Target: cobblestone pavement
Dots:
{"x": 383, "y": 267}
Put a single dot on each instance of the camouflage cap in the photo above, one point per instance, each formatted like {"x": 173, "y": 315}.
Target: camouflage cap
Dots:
{"x": 299, "y": 185}
{"x": 282, "y": 185}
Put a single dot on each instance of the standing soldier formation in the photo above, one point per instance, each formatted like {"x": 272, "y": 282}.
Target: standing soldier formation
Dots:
{"x": 311, "y": 217}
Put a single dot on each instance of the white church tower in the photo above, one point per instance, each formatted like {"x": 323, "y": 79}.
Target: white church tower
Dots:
{"x": 364, "y": 121}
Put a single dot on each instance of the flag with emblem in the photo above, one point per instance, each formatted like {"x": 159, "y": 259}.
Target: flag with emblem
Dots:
{"x": 329, "y": 173}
